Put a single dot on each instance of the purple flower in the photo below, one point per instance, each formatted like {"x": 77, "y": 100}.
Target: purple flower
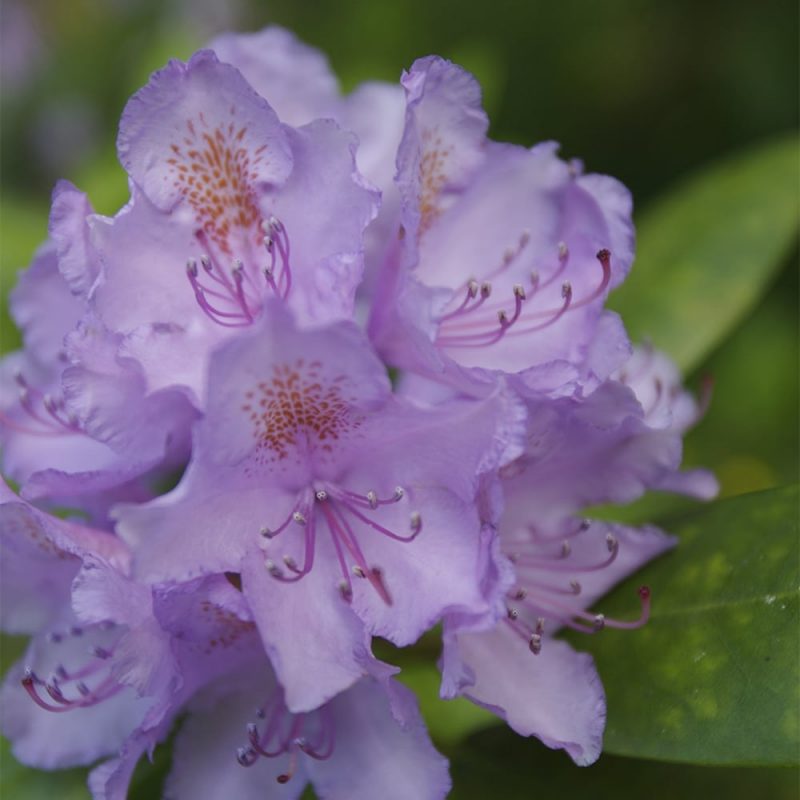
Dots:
{"x": 368, "y": 741}
{"x": 579, "y": 453}
{"x": 340, "y": 506}
{"x": 110, "y": 676}
{"x": 230, "y": 207}
{"x": 211, "y": 324}
{"x": 298, "y": 83}
{"x": 75, "y": 420}
{"x": 507, "y": 254}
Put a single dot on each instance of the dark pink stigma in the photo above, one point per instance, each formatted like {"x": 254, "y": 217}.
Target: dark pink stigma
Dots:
{"x": 100, "y": 687}
{"x": 233, "y": 297}
{"x": 343, "y": 513}
{"x": 283, "y": 733}
{"x": 476, "y": 323}
{"x": 46, "y": 411}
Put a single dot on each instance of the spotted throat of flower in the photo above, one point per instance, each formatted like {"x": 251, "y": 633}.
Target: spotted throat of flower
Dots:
{"x": 303, "y": 417}
{"x": 245, "y": 255}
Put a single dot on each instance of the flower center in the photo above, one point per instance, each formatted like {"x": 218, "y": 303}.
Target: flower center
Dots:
{"x": 342, "y": 512}
{"x": 66, "y": 690}
{"x": 540, "y": 594}
{"x": 477, "y": 322}
{"x": 233, "y": 297}
{"x": 279, "y": 732}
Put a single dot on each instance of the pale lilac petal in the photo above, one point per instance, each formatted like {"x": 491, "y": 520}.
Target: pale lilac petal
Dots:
{"x": 70, "y": 229}
{"x": 35, "y": 574}
{"x": 442, "y": 142}
{"x": 109, "y": 396}
{"x": 293, "y": 77}
{"x": 40, "y": 557}
{"x": 188, "y": 112}
{"x": 200, "y": 528}
{"x": 250, "y": 373}
{"x": 44, "y": 309}
{"x": 581, "y": 453}
{"x": 325, "y": 206}
{"x": 317, "y": 645}
{"x": 555, "y": 695}
{"x": 374, "y": 756}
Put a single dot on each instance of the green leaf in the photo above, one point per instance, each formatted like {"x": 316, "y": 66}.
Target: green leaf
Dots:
{"x": 23, "y": 227}
{"x": 706, "y": 251}
{"x": 24, "y": 783}
{"x": 713, "y": 678}
{"x": 497, "y": 763}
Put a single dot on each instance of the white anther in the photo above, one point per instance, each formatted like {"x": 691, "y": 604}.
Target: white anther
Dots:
{"x": 535, "y": 644}
{"x": 272, "y": 568}
{"x": 563, "y": 250}
{"x": 399, "y": 492}
{"x": 416, "y": 520}
{"x": 205, "y": 262}
{"x": 299, "y": 518}
{"x": 321, "y": 495}
{"x": 266, "y": 532}
{"x": 473, "y": 287}
{"x": 502, "y": 318}
{"x": 372, "y": 499}
{"x": 486, "y": 289}
{"x": 611, "y": 542}
{"x": 290, "y": 562}
{"x": 512, "y": 613}
{"x": 359, "y": 572}
{"x": 540, "y": 625}
{"x": 566, "y": 549}
{"x": 599, "y": 622}
{"x": 519, "y": 291}
{"x": 566, "y": 289}
{"x": 191, "y": 267}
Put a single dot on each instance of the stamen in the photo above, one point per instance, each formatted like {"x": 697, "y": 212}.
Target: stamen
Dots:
{"x": 237, "y": 294}
{"x": 465, "y": 328}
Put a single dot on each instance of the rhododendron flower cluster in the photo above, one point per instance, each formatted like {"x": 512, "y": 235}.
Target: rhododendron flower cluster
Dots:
{"x": 372, "y": 343}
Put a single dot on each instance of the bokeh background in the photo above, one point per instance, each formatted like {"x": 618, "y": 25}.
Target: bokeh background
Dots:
{"x": 651, "y": 91}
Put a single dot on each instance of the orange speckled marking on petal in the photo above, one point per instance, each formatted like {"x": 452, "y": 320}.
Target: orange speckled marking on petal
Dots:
{"x": 215, "y": 172}
{"x": 432, "y": 178}
{"x": 297, "y": 401}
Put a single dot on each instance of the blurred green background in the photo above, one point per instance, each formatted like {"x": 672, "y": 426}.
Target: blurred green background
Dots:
{"x": 650, "y": 91}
